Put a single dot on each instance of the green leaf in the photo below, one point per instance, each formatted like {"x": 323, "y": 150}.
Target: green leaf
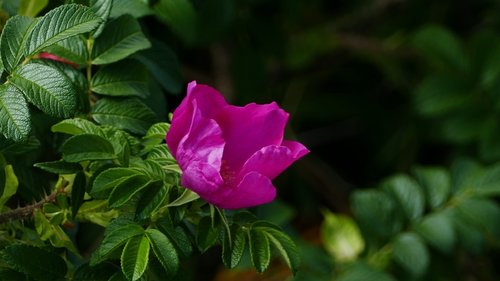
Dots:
{"x": 164, "y": 250}
{"x": 484, "y": 214}
{"x": 114, "y": 239}
{"x": 411, "y": 253}
{"x": 35, "y": 262}
{"x": 61, "y": 23}
{"x": 180, "y": 16}
{"x": 7, "y": 274}
{"x": 463, "y": 174}
{"x": 72, "y": 49}
{"x": 359, "y": 271}
{"x": 59, "y": 167}
{"x": 31, "y": 8}
{"x": 437, "y": 229}
{"x": 76, "y": 126}
{"x": 127, "y": 114}
{"x": 78, "y": 192}
{"x": 102, "y": 9}
{"x": 13, "y": 39}
{"x": 135, "y": 256}
{"x": 151, "y": 200}
{"x": 207, "y": 233}
{"x": 186, "y": 197}
{"x": 441, "y": 47}
{"x": 260, "y": 249}
{"x": 108, "y": 179}
{"x": 47, "y": 88}
{"x": 87, "y": 147}
{"x": 15, "y": 121}
{"x": 158, "y": 132}
{"x": 120, "y": 38}
{"x": 133, "y": 7}
{"x": 101, "y": 272}
{"x": 436, "y": 183}
{"x": 408, "y": 194}
{"x": 234, "y": 248}
{"x": 164, "y": 65}
{"x": 10, "y": 186}
{"x": 177, "y": 236}
{"x": 124, "y": 78}
{"x": 126, "y": 189}
{"x": 341, "y": 237}
{"x": 376, "y": 213}
{"x": 282, "y": 243}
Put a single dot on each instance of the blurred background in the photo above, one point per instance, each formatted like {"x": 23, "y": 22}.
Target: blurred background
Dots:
{"x": 398, "y": 101}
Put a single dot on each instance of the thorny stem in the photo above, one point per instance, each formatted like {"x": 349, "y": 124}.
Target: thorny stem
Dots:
{"x": 28, "y": 211}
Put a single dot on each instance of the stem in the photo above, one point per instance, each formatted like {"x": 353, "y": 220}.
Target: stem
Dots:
{"x": 27, "y": 211}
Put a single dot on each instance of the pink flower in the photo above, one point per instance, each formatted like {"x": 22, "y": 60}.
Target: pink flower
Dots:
{"x": 229, "y": 154}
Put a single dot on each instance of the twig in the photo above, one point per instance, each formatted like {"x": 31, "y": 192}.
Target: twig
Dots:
{"x": 26, "y": 211}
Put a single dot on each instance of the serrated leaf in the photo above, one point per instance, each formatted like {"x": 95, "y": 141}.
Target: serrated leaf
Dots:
{"x": 233, "y": 249}
{"x": 102, "y": 9}
{"x": 120, "y": 38}
{"x": 126, "y": 189}
{"x": 177, "y": 236}
{"x": 76, "y": 126}
{"x": 31, "y": 8}
{"x": 342, "y": 237}
{"x": 113, "y": 239}
{"x": 9, "y": 147}
{"x": 133, "y": 7}
{"x": 164, "y": 65}
{"x": 158, "y": 131}
{"x": 437, "y": 229}
{"x": 15, "y": 121}
{"x": 72, "y": 49}
{"x": 151, "y": 200}
{"x": 47, "y": 88}
{"x": 35, "y": 262}
{"x": 411, "y": 253}
{"x": 164, "y": 250}
{"x": 135, "y": 256}
{"x": 127, "y": 114}
{"x": 180, "y": 16}
{"x": 408, "y": 194}
{"x": 108, "y": 179}
{"x": 260, "y": 249}
{"x": 124, "y": 78}
{"x": 207, "y": 233}
{"x": 436, "y": 183}
{"x": 87, "y": 147}
{"x": 78, "y": 192}
{"x": 59, "y": 167}
{"x": 13, "y": 39}
{"x": 186, "y": 197}
{"x": 61, "y": 23}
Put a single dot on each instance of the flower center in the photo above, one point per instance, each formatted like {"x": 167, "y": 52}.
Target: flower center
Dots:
{"x": 226, "y": 172}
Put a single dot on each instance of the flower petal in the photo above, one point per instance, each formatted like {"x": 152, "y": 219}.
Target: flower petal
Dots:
{"x": 271, "y": 160}
{"x": 250, "y": 128}
{"x": 202, "y": 143}
{"x": 209, "y": 101}
{"x": 255, "y": 189}
{"x": 201, "y": 178}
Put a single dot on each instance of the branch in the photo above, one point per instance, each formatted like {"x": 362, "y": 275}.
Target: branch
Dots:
{"x": 26, "y": 211}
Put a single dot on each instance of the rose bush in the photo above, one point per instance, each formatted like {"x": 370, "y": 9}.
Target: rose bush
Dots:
{"x": 230, "y": 154}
